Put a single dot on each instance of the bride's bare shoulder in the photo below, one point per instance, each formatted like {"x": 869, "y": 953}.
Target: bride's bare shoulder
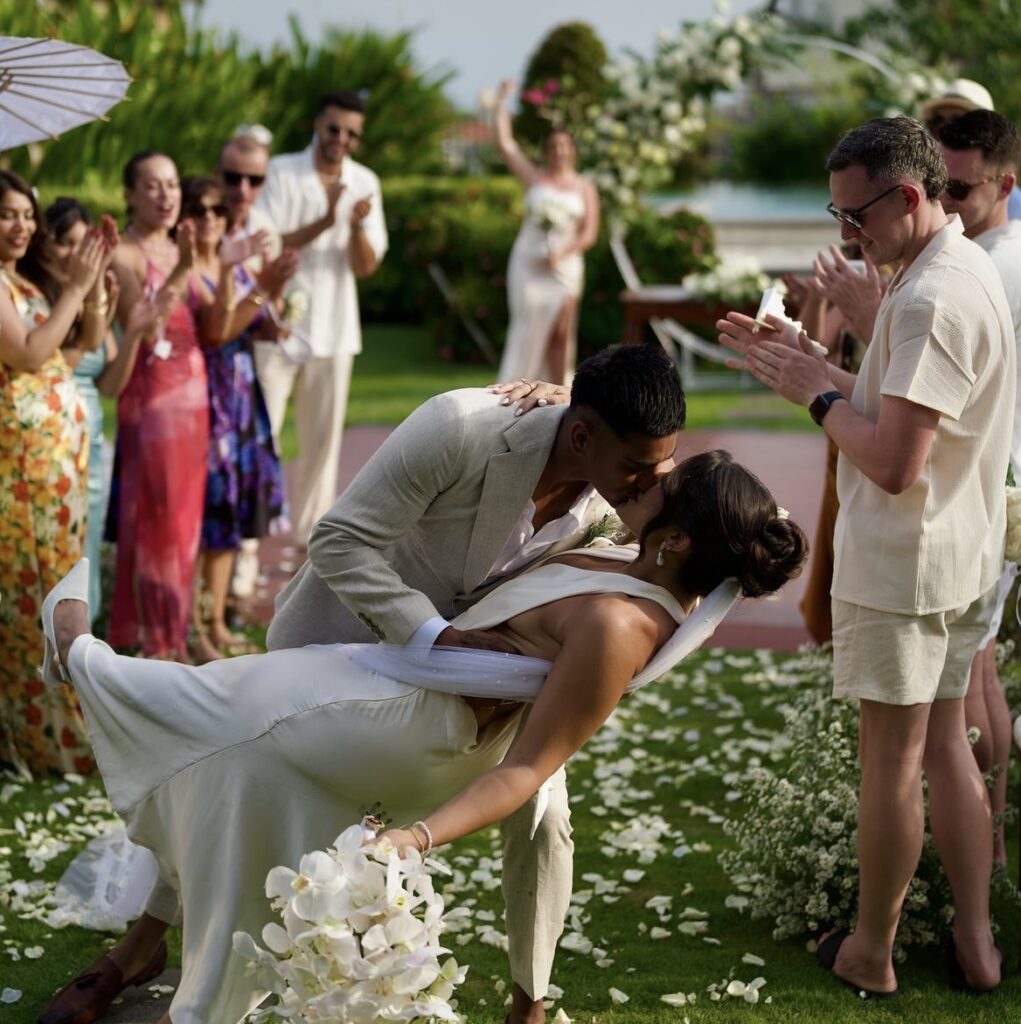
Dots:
{"x": 583, "y": 560}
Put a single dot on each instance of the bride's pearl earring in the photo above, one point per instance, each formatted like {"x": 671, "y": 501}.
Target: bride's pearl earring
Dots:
{"x": 660, "y": 558}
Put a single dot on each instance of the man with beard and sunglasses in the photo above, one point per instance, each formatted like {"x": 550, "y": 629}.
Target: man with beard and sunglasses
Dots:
{"x": 330, "y": 208}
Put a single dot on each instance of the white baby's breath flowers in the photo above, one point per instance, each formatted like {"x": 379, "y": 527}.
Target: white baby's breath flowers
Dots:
{"x": 1012, "y": 550}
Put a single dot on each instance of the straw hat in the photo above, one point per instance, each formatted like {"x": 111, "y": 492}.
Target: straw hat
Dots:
{"x": 962, "y": 94}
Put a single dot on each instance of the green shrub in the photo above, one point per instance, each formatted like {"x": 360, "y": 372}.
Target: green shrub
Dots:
{"x": 785, "y": 142}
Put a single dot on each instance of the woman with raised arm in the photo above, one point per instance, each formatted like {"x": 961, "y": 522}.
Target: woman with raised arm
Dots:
{"x": 162, "y": 421}
{"x": 87, "y": 349}
{"x": 244, "y": 479}
{"x": 43, "y": 466}
{"x": 227, "y": 770}
{"x": 547, "y": 269}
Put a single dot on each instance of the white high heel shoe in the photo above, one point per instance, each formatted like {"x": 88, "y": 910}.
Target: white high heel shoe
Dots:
{"x": 73, "y": 587}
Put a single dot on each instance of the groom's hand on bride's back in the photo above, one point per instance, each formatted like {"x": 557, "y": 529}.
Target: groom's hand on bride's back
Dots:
{"x": 477, "y": 639}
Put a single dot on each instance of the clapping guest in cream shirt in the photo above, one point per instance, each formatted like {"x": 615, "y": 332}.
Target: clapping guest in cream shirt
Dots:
{"x": 924, "y": 439}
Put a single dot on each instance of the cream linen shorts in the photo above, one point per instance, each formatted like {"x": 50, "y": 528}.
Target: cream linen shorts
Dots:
{"x": 907, "y": 659}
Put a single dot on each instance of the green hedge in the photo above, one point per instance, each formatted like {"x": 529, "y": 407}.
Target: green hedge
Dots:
{"x": 467, "y": 227}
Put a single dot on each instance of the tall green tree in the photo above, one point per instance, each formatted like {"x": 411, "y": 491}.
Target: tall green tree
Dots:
{"x": 568, "y": 68}
{"x": 981, "y": 39}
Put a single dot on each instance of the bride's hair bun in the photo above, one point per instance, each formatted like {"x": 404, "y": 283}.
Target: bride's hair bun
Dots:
{"x": 734, "y": 526}
{"x": 772, "y": 558}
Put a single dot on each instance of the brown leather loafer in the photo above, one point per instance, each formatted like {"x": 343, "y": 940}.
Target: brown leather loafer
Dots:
{"x": 89, "y": 996}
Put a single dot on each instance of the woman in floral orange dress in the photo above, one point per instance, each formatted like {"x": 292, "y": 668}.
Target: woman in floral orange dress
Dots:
{"x": 43, "y": 465}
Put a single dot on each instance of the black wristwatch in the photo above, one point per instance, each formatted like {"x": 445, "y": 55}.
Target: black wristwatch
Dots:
{"x": 821, "y": 405}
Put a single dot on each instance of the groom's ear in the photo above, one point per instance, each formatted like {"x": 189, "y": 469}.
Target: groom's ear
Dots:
{"x": 582, "y": 436}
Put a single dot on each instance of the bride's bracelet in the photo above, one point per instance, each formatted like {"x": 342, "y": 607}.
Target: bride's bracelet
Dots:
{"x": 425, "y": 832}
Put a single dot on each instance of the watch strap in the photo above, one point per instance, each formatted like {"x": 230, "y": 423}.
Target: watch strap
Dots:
{"x": 821, "y": 405}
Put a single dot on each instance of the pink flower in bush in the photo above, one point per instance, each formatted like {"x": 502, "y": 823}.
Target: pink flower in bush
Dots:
{"x": 552, "y": 87}
{"x": 534, "y": 96}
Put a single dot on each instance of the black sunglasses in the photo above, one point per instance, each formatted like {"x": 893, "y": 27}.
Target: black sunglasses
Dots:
{"x": 336, "y": 129}
{"x": 960, "y": 190}
{"x": 201, "y": 209}
{"x": 854, "y": 217}
{"x": 236, "y": 177}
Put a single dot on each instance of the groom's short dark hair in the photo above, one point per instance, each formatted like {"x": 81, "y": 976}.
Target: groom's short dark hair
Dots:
{"x": 634, "y": 389}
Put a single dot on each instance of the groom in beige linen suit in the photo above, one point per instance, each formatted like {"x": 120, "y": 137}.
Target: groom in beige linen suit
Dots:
{"x": 460, "y": 495}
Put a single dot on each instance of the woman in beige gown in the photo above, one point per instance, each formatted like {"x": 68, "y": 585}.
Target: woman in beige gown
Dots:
{"x": 228, "y": 770}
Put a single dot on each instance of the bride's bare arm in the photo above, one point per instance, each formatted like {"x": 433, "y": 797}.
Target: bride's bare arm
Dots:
{"x": 517, "y": 163}
{"x": 606, "y": 645}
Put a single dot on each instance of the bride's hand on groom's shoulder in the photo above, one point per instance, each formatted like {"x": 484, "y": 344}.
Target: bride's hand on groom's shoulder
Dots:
{"x": 530, "y": 393}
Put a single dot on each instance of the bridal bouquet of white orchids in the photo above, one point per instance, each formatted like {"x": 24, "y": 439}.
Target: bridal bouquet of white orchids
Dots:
{"x": 1012, "y": 551}
{"x": 359, "y": 940}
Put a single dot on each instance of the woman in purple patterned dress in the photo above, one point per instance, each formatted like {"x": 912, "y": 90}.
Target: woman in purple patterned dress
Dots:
{"x": 244, "y": 482}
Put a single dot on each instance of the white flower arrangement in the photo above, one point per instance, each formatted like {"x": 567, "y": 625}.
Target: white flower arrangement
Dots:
{"x": 1012, "y": 550}
{"x": 296, "y": 306}
{"x": 360, "y": 940}
{"x": 734, "y": 283}
{"x": 552, "y": 214}
{"x": 794, "y": 827}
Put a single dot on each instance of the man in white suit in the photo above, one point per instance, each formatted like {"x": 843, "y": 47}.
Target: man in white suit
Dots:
{"x": 460, "y": 495}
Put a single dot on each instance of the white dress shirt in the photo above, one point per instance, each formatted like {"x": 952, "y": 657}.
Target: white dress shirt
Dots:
{"x": 524, "y": 545}
{"x": 294, "y": 196}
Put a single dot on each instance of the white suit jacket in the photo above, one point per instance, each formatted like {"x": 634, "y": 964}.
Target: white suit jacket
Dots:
{"x": 417, "y": 531}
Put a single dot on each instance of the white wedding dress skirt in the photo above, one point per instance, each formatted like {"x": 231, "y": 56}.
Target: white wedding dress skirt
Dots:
{"x": 535, "y": 292}
{"x": 227, "y": 770}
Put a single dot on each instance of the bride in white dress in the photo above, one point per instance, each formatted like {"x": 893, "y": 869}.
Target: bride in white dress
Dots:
{"x": 228, "y": 770}
{"x": 546, "y": 270}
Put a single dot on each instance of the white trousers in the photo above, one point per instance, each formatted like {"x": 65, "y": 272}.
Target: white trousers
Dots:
{"x": 320, "y": 390}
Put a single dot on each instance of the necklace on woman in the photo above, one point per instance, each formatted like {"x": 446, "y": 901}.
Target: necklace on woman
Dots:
{"x": 159, "y": 259}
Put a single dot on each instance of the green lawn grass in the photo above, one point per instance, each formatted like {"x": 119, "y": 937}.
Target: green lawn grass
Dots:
{"x": 663, "y": 753}
{"x": 399, "y": 369}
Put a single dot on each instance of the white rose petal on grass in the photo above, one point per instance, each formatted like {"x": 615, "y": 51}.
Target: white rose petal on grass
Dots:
{"x": 574, "y": 942}
{"x": 633, "y": 875}
{"x": 10, "y": 995}
{"x": 753, "y": 960}
{"x": 674, "y": 999}
{"x": 737, "y": 903}
{"x": 561, "y": 1018}
{"x": 660, "y": 933}
{"x": 617, "y": 996}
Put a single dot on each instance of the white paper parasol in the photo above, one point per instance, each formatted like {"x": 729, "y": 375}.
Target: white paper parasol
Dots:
{"x": 48, "y": 87}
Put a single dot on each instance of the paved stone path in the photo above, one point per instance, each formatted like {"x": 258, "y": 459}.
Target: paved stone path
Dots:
{"x": 791, "y": 465}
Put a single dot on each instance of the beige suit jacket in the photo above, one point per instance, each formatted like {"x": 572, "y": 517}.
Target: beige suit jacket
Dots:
{"x": 418, "y": 530}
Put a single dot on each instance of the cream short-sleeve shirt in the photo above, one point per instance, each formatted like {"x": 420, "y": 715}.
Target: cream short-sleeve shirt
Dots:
{"x": 943, "y": 339}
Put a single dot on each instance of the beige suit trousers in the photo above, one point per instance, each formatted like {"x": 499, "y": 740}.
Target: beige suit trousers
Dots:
{"x": 320, "y": 390}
